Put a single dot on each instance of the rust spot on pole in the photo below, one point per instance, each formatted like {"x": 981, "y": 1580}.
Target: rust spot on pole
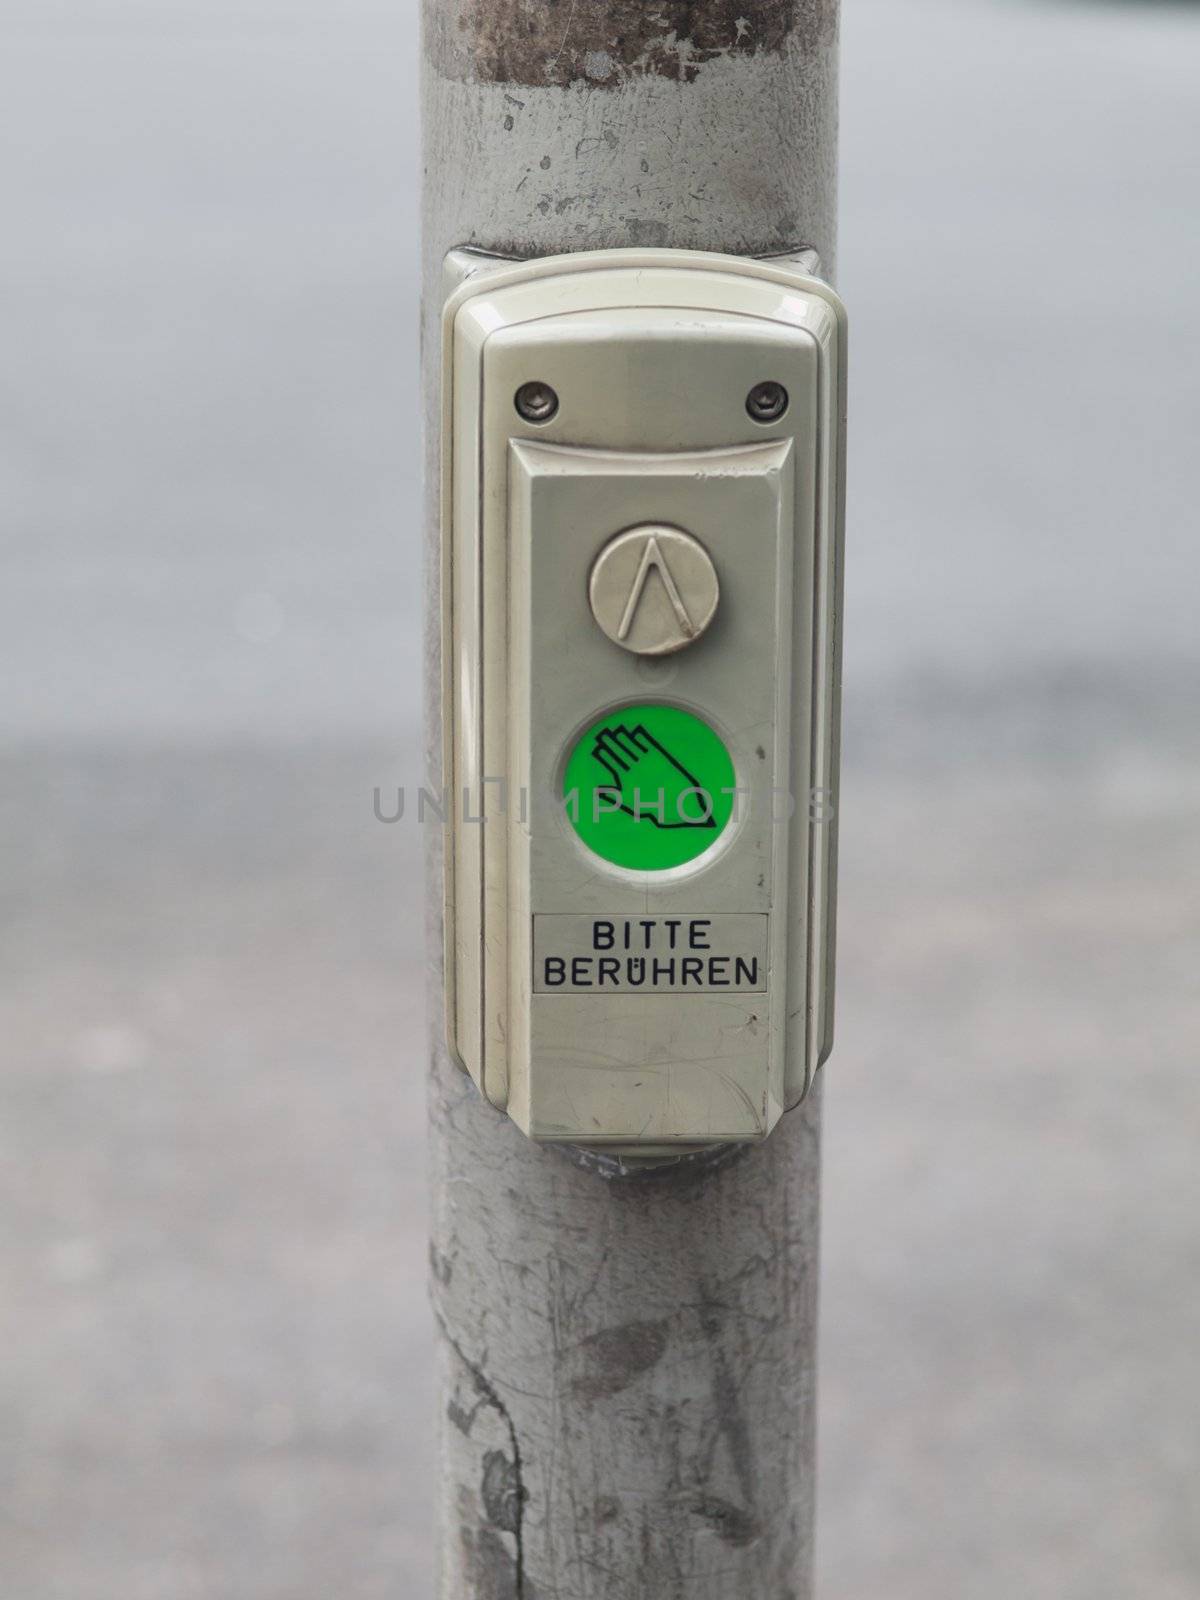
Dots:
{"x": 604, "y": 43}
{"x": 614, "y": 1357}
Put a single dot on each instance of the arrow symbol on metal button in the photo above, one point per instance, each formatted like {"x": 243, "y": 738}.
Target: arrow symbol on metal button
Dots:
{"x": 653, "y": 558}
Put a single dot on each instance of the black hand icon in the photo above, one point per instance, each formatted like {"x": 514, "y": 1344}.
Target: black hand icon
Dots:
{"x": 648, "y": 782}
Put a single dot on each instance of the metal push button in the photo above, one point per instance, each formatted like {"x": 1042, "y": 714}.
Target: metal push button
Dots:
{"x": 654, "y": 590}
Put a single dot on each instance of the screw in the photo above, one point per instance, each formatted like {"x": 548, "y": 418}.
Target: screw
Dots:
{"x": 536, "y": 401}
{"x": 767, "y": 401}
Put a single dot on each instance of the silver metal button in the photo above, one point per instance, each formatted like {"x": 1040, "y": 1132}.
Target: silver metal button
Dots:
{"x": 654, "y": 589}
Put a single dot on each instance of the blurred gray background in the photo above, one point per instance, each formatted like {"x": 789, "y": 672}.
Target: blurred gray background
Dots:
{"x": 216, "y": 1349}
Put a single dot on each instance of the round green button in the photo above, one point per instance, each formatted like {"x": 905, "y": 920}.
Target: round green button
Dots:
{"x": 649, "y": 787}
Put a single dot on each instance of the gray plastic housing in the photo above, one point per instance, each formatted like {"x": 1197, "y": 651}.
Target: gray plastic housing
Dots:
{"x": 652, "y": 354}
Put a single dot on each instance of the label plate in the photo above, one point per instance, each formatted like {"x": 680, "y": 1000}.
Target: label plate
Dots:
{"x": 678, "y": 954}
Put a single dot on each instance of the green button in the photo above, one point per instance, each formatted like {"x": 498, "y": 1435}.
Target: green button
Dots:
{"x": 649, "y": 787}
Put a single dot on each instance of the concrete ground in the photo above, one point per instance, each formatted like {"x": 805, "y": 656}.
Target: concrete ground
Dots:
{"x": 217, "y": 1350}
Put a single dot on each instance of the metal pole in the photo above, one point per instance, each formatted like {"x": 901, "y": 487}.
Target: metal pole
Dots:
{"x": 626, "y": 1364}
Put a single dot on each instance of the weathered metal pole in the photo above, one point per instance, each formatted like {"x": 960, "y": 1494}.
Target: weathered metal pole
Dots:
{"x": 626, "y": 1363}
